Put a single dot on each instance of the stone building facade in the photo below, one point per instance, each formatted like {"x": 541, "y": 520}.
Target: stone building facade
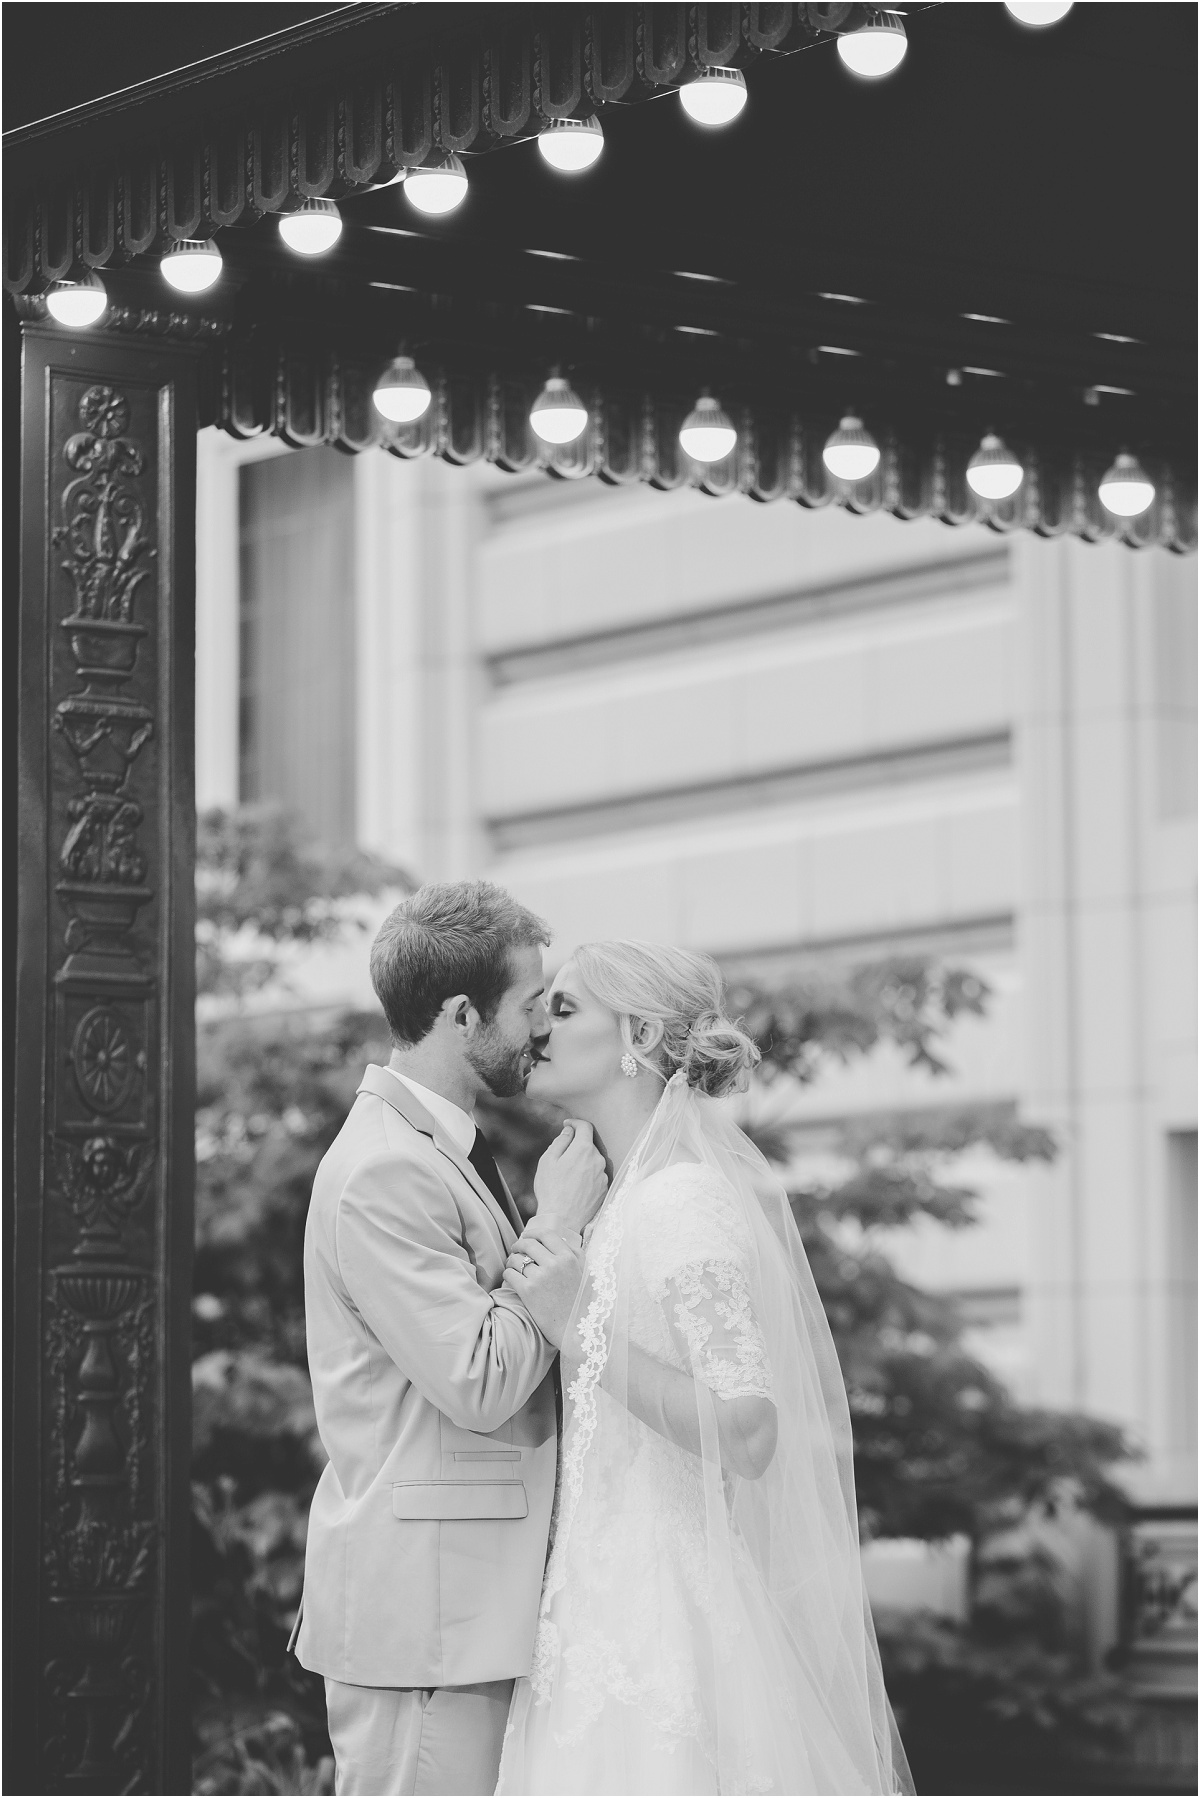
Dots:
{"x": 780, "y": 735}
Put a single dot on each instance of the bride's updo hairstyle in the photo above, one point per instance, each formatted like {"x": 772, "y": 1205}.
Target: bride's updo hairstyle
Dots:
{"x": 648, "y": 983}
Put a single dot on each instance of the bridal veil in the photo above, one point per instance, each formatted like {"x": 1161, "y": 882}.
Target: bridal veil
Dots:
{"x": 701, "y": 1629}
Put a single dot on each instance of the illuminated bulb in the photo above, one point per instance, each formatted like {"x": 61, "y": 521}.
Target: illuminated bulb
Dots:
{"x": 314, "y": 228}
{"x": 558, "y": 414}
{"x": 1038, "y": 12}
{"x": 439, "y": 185}
{"x": 571, "y": 144}
{"x": 851, "y": 453}
{"x": 192, "y": 264}
{"x": 714, "y": 98}
{"x": 1126, "y": 489}
{"x": 77, "y": 303}
{"x": 993, "y": 471}
{"x": 877, "y": 47}
{"x": 706, "y": 433}
{"x": 402, "y": 392}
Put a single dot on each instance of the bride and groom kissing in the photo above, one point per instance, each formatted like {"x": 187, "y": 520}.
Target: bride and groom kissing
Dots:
{"x": 587, "y": 1523}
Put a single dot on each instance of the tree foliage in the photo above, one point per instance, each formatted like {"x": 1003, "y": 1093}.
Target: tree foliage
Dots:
{"x": 260, "y": 886}
{"x": 804, "y": 1023}
{"x": 941, "y": 1448}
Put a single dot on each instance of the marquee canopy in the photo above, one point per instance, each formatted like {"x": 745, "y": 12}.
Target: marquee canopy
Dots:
{"x": 999, "y": 237}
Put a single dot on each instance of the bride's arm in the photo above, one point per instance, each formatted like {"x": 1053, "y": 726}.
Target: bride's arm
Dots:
{"x": 723, "y": 1343}
{"x": 666, "y": 1399}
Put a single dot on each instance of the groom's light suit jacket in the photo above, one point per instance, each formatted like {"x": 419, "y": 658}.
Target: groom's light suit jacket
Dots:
{"x": 428, "y": 1529}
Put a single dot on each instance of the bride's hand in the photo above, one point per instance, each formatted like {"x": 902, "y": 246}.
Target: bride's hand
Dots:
{"x": 545, "y": 1273}
{"x": 545, "y": 1229}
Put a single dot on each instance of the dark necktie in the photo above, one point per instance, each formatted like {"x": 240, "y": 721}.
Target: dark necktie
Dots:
{"x": 484, "y": 1163}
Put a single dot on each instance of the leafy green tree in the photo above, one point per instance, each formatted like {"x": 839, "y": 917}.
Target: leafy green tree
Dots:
{"x": 271, "y": 1095}
{"x": 262, "y": 887}
{"x": 941, "y": 1447}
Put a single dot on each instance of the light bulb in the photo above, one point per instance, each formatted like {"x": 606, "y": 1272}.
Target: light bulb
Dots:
{"x": 192, "y": 264}
{"x": 312, "y": 229}
{"x": 993, "y": 471}
{"x": 851, "y": 453}
{"x": 877, "y": 47}
{"x": 706, "y": 433}
{"x": 1126, "y": 489}
{"x": 571, "y": 144}
{"x": 715, "y": 96}
{"x": 558, "y": 414}
{"x": 77, "y": 303}
{"x": 1038, "y": 12}
{"x": 402, "y": 392}
{"x": 438, "y": 185}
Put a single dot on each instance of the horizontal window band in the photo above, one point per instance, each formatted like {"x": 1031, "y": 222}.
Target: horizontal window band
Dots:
{"x": 820, "y": 1131}
{"x": 989, "y": 933}
{"x": 946, "y": 578}
{"x": 988, "y": 1308}
{"x": 639, "y": 811}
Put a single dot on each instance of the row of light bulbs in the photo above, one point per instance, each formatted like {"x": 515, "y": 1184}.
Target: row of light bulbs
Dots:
{"x": 436, "y": 187}
{"x": 713, "y": 98}
{"x": 558, "y": 416}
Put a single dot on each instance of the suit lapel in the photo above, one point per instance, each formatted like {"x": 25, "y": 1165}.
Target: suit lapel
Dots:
{"x": 393, "y": 1092}
{"x": 518, "y": 1222}
{"x": 514, "y": 1216}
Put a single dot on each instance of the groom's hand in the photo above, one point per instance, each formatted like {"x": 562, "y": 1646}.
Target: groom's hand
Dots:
{"x": 570, "y": 1182}
{"x": 545, "y": 1272}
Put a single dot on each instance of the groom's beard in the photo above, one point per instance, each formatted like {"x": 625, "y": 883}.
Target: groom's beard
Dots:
{"x": 503, "y": 1067}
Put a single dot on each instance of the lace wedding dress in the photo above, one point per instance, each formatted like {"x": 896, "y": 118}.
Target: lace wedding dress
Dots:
{"x": 702, "y": 1629}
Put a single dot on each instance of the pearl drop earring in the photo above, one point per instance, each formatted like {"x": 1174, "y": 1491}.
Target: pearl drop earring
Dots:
{"x": 628, "y": 1066}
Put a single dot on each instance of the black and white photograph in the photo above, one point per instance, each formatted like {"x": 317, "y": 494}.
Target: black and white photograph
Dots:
{"x": 600, "y": 985}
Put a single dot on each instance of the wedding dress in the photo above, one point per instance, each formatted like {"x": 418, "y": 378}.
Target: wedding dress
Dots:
{"x": 701, "y": 1629}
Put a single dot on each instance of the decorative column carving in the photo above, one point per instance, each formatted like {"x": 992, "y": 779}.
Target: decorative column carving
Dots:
{"x": 104, "y": 1073}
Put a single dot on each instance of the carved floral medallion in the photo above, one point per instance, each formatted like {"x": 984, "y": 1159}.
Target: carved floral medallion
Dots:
{"x": 101, "y": 1533}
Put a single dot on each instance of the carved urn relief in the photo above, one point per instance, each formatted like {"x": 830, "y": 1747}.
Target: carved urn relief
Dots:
{"x": 102, "y": 1293}
{"x": 108, "y": 555}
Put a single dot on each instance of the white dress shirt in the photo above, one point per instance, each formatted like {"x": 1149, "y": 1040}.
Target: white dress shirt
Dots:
{"x": 457, "y": 1124}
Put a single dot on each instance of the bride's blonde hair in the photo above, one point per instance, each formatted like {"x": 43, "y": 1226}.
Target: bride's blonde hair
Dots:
{"x": 647, "y": 983}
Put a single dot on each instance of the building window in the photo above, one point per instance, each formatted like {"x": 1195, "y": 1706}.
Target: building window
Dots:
{"x": 296, "y": 728}
{"x": 1181, "y": 1289}
{"x": 1174, "y": 594}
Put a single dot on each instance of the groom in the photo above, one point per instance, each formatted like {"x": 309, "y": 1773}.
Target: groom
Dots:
{"x": 432, "y": 1382}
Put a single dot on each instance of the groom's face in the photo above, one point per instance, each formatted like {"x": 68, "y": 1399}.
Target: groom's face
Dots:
{"x": 502, "y": 1050}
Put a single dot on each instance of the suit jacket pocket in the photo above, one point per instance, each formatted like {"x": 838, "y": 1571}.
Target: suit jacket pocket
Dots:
{"x": 449, "y": 1500}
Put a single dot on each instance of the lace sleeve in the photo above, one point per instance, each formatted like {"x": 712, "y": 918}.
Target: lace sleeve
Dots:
{"x": 695, "y": 1255}
{"x": 710, "y": 1315}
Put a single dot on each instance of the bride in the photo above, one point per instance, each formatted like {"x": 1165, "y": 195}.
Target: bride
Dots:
{"x": 703, "y": 1625}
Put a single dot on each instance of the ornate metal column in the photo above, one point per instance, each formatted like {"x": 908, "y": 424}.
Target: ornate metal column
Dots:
{"x": 1159, "y": 1645}
{"x": 104, "y": 1074}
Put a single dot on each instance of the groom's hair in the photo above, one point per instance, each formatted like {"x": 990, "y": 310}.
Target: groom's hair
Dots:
{"x": 452, "y": 936}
